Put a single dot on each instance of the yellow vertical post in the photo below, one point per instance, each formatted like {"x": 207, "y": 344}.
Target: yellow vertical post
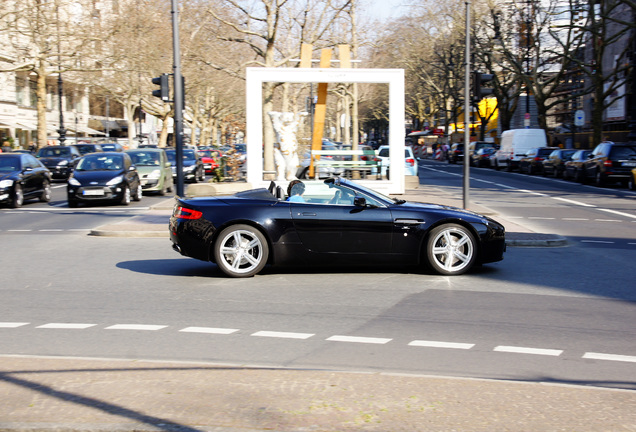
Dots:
{"x": 320, "y": 109}
{"x": 305, "y": 55}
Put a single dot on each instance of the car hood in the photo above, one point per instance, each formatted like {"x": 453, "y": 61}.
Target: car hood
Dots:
{"x": 147, "y": 169}
{"x": 13, "y": 175}
{"x": 97, "y": 177}
{"x": 53, "y": 160}
{"x": 414, "y": 206}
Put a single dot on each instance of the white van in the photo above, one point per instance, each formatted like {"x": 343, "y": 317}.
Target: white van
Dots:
{"x": 515, "y": 143}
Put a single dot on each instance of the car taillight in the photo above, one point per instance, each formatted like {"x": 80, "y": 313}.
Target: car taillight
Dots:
{"x": 538, "y": 159}
{"x": 186, "y": 213}
{"x": 410, "y": 161}
{"x": 608, "y": 163}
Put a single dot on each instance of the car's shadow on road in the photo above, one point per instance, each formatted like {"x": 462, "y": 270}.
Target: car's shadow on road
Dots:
{"x": 172, "y": 267}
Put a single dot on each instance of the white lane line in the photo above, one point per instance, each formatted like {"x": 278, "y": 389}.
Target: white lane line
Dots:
{"x": 19, "y": 230}
{"x": 618, "y": 213}
{"x": 438, "y": 344}
{"x": 526, "y": 350}
{"x": 575, "y": 219}
{"x": 210, "y": 330}
{"x": 12, "y": 324}
{"x": 51, "y": 230}
{"x": 284, "y": 335}
{"x": 357, "y": 339}
{"x": 66, "y": 326}
{"x": 597, "y": 241}
{"x": 573, "y": 202}
{"x": 607, "y": 220}
{"x": 541, "y": 218}
{"x": 136, "y": 327}
{"x": 611, "y": 357}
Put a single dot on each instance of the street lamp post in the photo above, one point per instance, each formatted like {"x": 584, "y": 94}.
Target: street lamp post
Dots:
{"x": 60, "y": 92}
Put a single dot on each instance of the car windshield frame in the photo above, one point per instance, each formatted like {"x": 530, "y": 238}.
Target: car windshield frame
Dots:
{"x": 102, "y": 163}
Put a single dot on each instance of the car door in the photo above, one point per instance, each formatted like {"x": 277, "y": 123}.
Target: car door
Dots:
{"x": 343, "y": 229}
{"x": 31, "y": 175}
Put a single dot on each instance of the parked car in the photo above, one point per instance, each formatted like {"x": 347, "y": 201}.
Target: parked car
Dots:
{"x": 532, "y": 161}
{"x": 475, "y": 146}
{"x": 410, "y": 163}
{"x": 193, "y": 170}
{"x": 574, "y": 167}
{"x": 455, "y": 153}
{"x": 154, "y": 169}
{"x": 210, "y": 159}
{"x": 104, "y": 177}
{"x": 23, "y": 177}
{"x": 88, "y": 148}
{"x": 244, "y": 232}
{"x": 610, "y": 162}
{"x": 481, "y": 158}
{"x": 515, "y": 144}
{"x": 116, "y": 147}
{"x": 60, "y": 160}
{"x": 554, "y": 164}
{"x": 323, "y": 171}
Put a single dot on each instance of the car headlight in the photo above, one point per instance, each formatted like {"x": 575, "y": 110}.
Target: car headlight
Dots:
{"x": 115, "y": 181}
{"x": 62, "y": 163}
{"x": 73, "y": 182}
{"x": 6, "y": 183}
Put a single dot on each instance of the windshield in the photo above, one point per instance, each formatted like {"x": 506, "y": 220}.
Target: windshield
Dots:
{"x": 143, "y": 158}
{"x": 55, "y": 152}
{"x": 9, "y": 164}
{"x": 187, "y": 155}
{"x": 100, "y": 163}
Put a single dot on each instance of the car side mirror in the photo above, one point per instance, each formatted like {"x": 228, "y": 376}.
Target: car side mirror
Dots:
{"x": 132, "y": 168}
{"x": 359, "y": 202}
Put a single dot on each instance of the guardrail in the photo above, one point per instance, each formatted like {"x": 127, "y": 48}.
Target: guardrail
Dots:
{"x": 363, "y": 161}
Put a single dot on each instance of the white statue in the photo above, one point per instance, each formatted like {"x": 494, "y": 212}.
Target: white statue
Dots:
{"x": 286, "y": 155}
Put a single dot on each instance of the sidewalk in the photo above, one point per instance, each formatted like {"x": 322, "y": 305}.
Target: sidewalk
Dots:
{"x": 155, "y": 222}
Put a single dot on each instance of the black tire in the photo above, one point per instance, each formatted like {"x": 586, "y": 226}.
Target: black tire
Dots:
{"x": 451, "y": 249}
{"x": 598, "y": 179}
{"x": 579, "y": 176}
{"x": 631, "y": 183}
{"x": 72, "y": 203}
{"x": 125, "y": 196}
{"x": 241, "y": 251}
{"x": 18, "y": 196}
{"x": 45, "y": 196}
{"x": 138, "y": 193}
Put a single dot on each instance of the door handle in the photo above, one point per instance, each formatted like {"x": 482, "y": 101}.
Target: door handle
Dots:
{"x": 306, "y": 214}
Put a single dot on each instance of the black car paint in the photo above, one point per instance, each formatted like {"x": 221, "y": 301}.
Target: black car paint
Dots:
{"x": 306, "y": 234}
{"x": 27, "y": 172}
{"x": 60, "y": 160}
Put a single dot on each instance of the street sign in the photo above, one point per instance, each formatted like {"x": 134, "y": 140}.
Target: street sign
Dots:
{"x": 579, "y": 118}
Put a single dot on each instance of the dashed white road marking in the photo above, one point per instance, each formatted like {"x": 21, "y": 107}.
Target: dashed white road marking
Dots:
{"x": 210, "y": 330}
{"x": 438, "y": 344}
{"x": 611, "y": 357}
{"x": 66, "y": 326}
{"x": 149, "y": 327}
{"x": 526, "y": 350}
{"x": 358, "y": 339}
{"x": 284, "y": 335}
{"x": 12, "y": 324}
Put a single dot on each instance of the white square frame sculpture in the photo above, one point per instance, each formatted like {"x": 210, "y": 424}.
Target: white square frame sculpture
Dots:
{"x": 255, "y": 77}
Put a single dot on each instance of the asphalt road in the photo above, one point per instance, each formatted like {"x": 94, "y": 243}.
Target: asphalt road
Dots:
{"x": 563, "y": 314}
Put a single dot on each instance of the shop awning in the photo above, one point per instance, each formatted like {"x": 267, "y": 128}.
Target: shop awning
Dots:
{"x": 12, "y": 124}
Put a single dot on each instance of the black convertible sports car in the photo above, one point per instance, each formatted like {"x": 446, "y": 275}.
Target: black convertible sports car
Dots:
{"x": 336, "y": 222}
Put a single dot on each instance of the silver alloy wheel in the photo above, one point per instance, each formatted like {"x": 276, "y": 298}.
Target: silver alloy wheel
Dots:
{"x": 139, "y": 193}
{"x": 18, "y": 196}
{"x": 451, "y": 249}
{"x": 125, "y": 199}
{"x": 46, "y": 191}
{"x": 241, "y": 251}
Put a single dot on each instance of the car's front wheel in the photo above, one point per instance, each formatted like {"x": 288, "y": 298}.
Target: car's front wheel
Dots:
{"x": 45, "y": 196}
{"x": 451, "y": 249}
{"x": 241, "y": 251}
{"x": 18, "y": 196}
{"x": 138, "y": 193}
{"x": 125, "y": 196}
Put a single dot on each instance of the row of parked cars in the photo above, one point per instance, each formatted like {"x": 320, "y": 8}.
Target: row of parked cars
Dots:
{"x": 96, "y": 173}
{"x": 609, "y": 162}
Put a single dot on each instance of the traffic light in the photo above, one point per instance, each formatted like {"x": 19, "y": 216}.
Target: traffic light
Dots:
{"x": 478, "y": 81}
{"x": 164, "y": 87}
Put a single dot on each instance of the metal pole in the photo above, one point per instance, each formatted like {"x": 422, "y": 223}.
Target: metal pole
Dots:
{"x": 178, "y": 97}
{"x": 466, "y": 183}
{"x": 60, "y": 92}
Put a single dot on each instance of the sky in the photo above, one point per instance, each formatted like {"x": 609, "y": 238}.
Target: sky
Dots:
{"x": 386, "y": 9}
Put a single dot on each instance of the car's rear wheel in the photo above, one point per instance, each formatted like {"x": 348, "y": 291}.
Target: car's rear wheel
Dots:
{"x": 138, "y": 193}
{"x": 45, "y": 196}
{"x": 451, "y": 249}
{"x": 599, "y": 180}
{"x": 632, "y": 183}
{"x": 241, "y": 251}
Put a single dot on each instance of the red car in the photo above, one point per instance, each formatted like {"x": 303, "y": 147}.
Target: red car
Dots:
{"x": 210, "y": 160}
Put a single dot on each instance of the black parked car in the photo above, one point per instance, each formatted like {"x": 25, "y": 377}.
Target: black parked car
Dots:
{"x": 335, "y": 222}
{"x": 193, "y": 169}
{"x": 574, "y": 167}
{"x": 554, "y": 164}
{"x": 532, "y": 162}
{"x": 103, "y": 177}
{"x": 88, "y": 148}
{"x": 610, "y": 162}
{"x": 22, "y": 177}
{"x": 481, "y": 158}
{"x": 455, "y": 153}
{"x": 60, "y": 160}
